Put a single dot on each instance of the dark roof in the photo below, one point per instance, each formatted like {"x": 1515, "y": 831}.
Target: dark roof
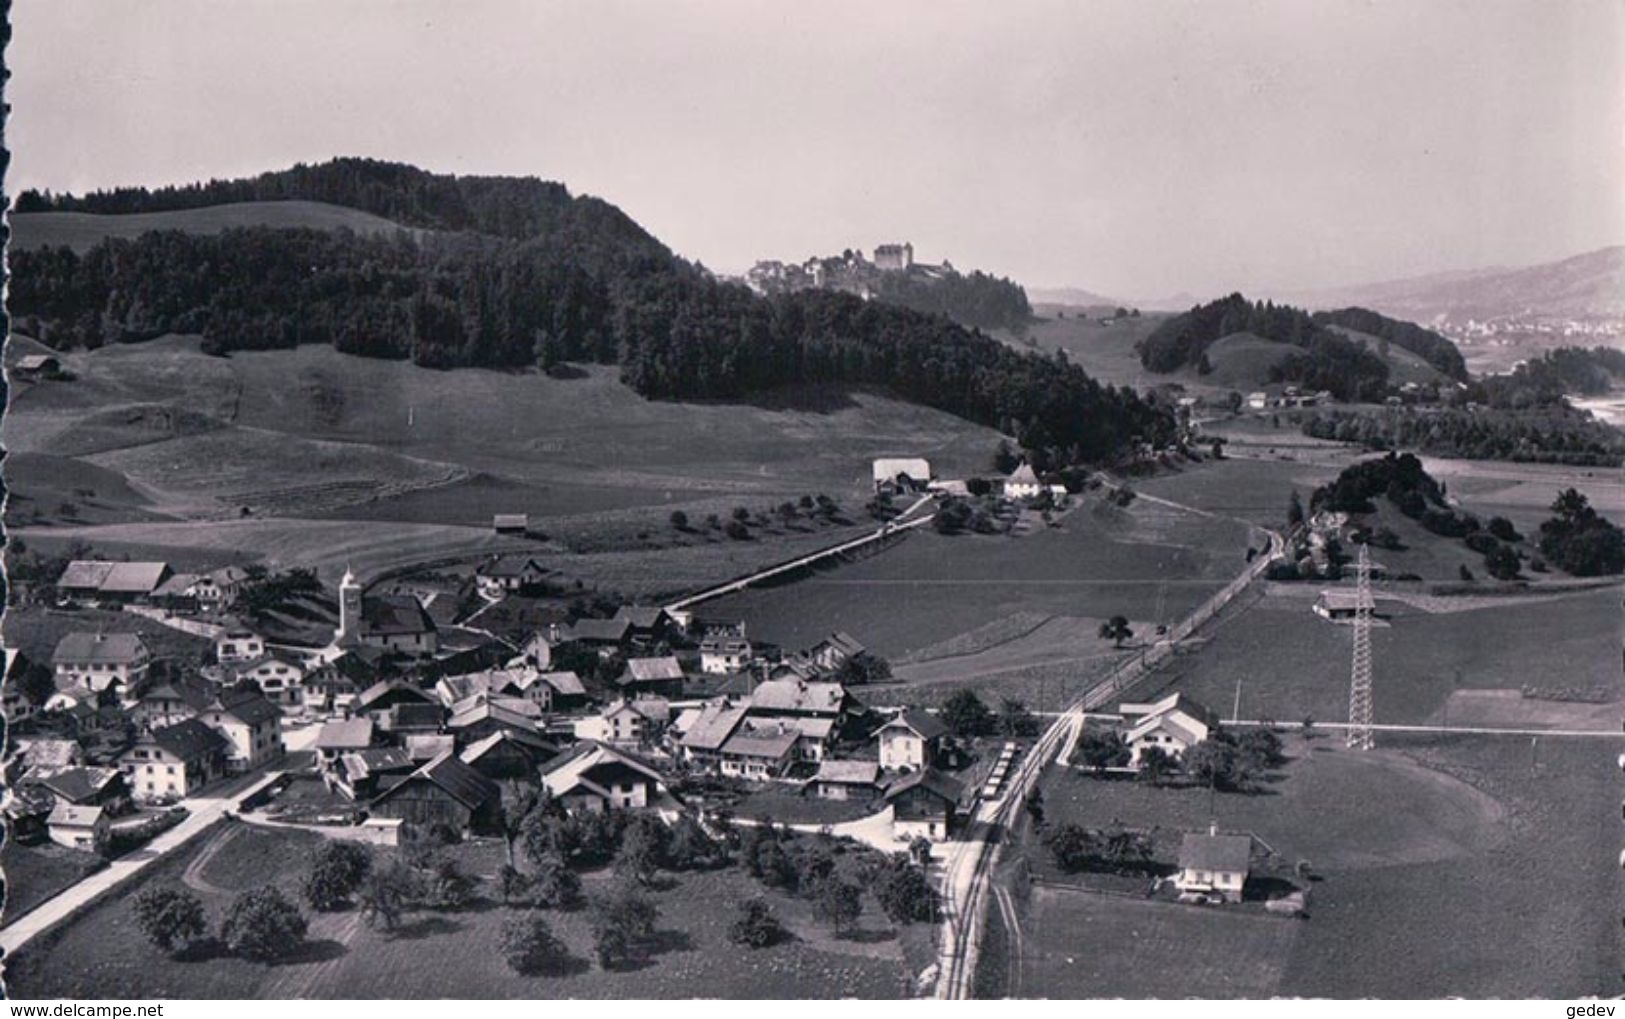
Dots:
{"x": 1205, "y": 851}
{"x": 644, "y": 617}
{"x": 510, "y": 566}
{"x": 75, "y": 784}
{"x": 194, "y": 692}
{"x": 383, "y": 688}
{"x": 412, "y": 716}
{"x": 345, "y": 734}
{"x": 458, "y": 779}
{"x": 924, "y": 724}
{"x": 189, "y": 740}
{"x": 99, "y": 648}
{"x": 652, "y": 670}
{"x": 390, "y": 614}
{"x": 931, "y": 780}
{"x": 610, "y": 630}
{"x": 247, "y": 706}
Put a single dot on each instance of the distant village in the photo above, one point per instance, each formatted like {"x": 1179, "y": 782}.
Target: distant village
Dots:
{"x": 848, "y": 271}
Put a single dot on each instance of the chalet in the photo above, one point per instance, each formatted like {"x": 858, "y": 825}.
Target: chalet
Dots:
{"x": 445, "y": 792}
{"x": 1214, "y": 865}
{"x": 171, "y": 700}
{"x": 363, "y": 774}
{"x": 1173, "y": 724}
{"x": 758, "y": 752}
{"x": 563, "y": 691}
{"x": 82, "y": 828}
{"x": 602, "y": 634}
{"x": 595, "y": 777}
{"x": 546, "y": 690}
{"x": 1023, "y": 483}
{"x": 901, "y": 474}
{"x": 508, "y": 754}
{"x": 537, "y": 653}
{"x": 813, "y": 736}
{"x": 703, "y": 731}
{"x": 82, "y": 786}
{"x": 845, "y": 780}
{"x": 14, "y": 704}
{"x": 646, "y": 623}
{"x": 625, "y": 722}
{"x": 483, "y": 715}
{"x": 219, "y": 589}
{"x": 659, "y": 677}
{"x": 831, "y": 654}
{"x": 509, "y": 574}
{"x": 250, "y": 723}
{"x": 91, "y": 580}
{"x": 1341, "y": 606}
{"x": 910, "y": 741}
{"x": 385, "y": 694}
{"x": 511, "y": 523}
{"x": 101, "y": 661}
{"x": 797, "y": 698}
{"x": 410, "y": 719}
{"x": 27, "y": 811}
{"x": 238, "y": 645}
{"x": 924, "y": 804}
{"x": 279, "y": 677}
{"x": 724, "y": 650}
{"x": 337, "y": 738}
{"x": 174, "y": 762}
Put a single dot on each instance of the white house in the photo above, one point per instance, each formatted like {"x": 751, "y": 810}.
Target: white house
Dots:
{"x": 910, "y": 741}
{"x": 1023, "y": 483}
{"x": 238, "y": 645}
{"x": 82, "y": 828}
{"x": 595, "y": 777}
{"x": 724, "y": 649}
{"x": 100, "y": 661}
{"x": 1342, "y": 606}
{"x": 625, "y": 722}
{"x": 758, "y": 752}
{"x": 902, "y": 473}
{"x": 1174, "y": 725}
{"x": 219, "y": 589}
{"x": 1258, "y": 401}
{"x": 509, "y": 574}
{"x": 278, "y": 676}
{"x": 250, "y": 723}
{"x": 1214, "y": 864}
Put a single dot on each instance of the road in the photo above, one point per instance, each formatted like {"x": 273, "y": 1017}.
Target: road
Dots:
{"x": 967, "y": 875}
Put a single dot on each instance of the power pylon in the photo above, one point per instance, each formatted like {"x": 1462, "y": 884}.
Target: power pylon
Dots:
{"x": 1360, "y": 680}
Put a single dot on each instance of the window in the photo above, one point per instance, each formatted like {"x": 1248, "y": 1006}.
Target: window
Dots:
{"x": 170, "y": 769}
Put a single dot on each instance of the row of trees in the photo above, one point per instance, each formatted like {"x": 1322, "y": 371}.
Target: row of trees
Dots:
{"x": 1554, "y": 433}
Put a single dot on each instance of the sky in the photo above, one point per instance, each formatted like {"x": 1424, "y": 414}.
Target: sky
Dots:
{"x": 1139, "y": 148}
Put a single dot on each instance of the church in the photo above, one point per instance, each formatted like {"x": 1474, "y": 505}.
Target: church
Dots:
{"x": 390, "y": 622}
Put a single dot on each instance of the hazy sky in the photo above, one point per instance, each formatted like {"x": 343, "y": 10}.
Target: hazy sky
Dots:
{"x": 1137, "y": 147}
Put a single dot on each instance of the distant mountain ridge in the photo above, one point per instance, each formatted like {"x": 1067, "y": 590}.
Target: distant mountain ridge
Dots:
{"x": 1589, "y": 285}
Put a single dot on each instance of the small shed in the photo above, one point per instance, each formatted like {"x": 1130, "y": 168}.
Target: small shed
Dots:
{"x": 510, "y": 523}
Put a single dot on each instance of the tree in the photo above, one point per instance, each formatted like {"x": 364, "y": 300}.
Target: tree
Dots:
{"x": 1502, "y": 563}
{"x": 1015, "y": 720}
{"x": 530, "y": 947}
{"x": 553, "y": 884}
{"x": 1101, "y": 748}
{"x": 1005, "y": 458}
{"x": 519, "y": 801}
{"x": 838, "y": 904}
{"x": 385, "y": 894}
{"x": 738, "y": 530}
{"x": 263, "y": 925}
{"x": 1071, "y": 845}
{"x": 690, "y": 847}
{"x": 336, "y": 874}
{"x": 1294, "y": 510}
{"x": 643, "y": 848}
{"x": 171, "y": 918}
{"x": 904, "y": 892}
{"x": 33, "y": 680}
{"x": 623, "y": 922}
{"x": 1116, "y": 630}
{"x": 755, "y": 926}
{"x": 1502, "y": 528}
{"x": 448, "y": 886}
{"x": 1156, "y": 764}
{"x": 1465, "y": 573}
{"x": 1579, "y": 541}
{"x": 966, "y": 715}
{"x": 862, "y": 669}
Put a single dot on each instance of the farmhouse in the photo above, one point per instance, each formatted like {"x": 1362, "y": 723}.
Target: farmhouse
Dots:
{"x": 84, "y": 828}
{"x": 483, "y": 715}
{"x": 174, "y": 762}
{"x": 1214, "y": 864}
{"x": 1342, "y": 606}
{"x": 910, "y": 741}
{"x": 595, "y": 777}
{"x": 924, "y": 804}
{"x": 660, "y": 677}
{"x": 646, "y": 623}
{"x": 238, "y": 645}
{"x": 1023, "y": 483}
{"x": 387, "y": 693}
{"x": 1173, "y": 724}
{"x": 508, "y": 754}
{"x": 82, "y": 786}
{"x": 702, "y": 731}
{"x": 363, "y": 774}
{"x": 604, "y": 634}
{"x": 250, "y": 723}
{"x": 220, "y": 588}
{"x": 509, "y": 574}
{"x": 758, "y": 753}
{"x": 724, "y": 649}
{"x": 94, "y": 580}
{"x": 410, "y": 719}
{"x": 845, "y": 780}
{"x": 27, "y": 811}
{"x": 278, "y": 676}
{"x": 444, "y": 792}
{"x": 337, "y": 738}
{"x": 169, "y": 701}
{"x": 832, "y": 653}
{"x": 901, "y": 474}
{"x": 624, "y": 722}
{"x": 101, "y": 661}
{"x": 797, "y": 698}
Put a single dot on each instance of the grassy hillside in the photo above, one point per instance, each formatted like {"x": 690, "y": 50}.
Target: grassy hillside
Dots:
{"x": 1403, "y": 365}
{"x": 82, "y": 231}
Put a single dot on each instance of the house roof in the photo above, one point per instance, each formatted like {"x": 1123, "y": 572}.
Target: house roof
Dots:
{"x": 1173, "y": 702}
{"x": 1023, "y": 475}
{"x": 1207, "y": 851}
{"x": 359, "y": 764}
{"x": 714, "y": 723}
{"x": 610, "y": 630}
{"x": 345, "y": 734}
{"x": 652, "y": 670}
{"x": 1349, "y": 600}
{"x": 772, "y": 744}
{"x": 564, "y": 682}
{"x": 510, "y": 566}
{"x": 932, "y": 781}
{"x": 394, "y": 614}
{"x": 479, "y": 748}
{"x": 1166, "y": 721}
{"x": 99, "y": 649}
{"x": 29, "y": 801}
{"x": 481, "y": 707}
{"x": 76, "y": 783}
{"x": 176, "y": 586}
{"x": 411, "y": 715}
{"x": 84, "y": 574}
{"x": 379, "y": 690}
{"x": 188, "y": 740}
{"x": 424, "y": 746}
{"x": 113, "y": 577}
{"x": 565, "y": 772}
{"x": 843, "y": 643}
{"x": 67, "y": 815}
{"x": 193, "y": 692}
{"x": 510, "y": 520}
{"x": 920, "y": 723}
{"x": 227, "y": 575}
{"x": 48, "y": 753}
{"x": 798, "y": 695}
{"x": 887, "y": 468}
{"x": 456, "y": 778}
{"x": 247, "y": 706}
{"x": 848, "y": 773}
{"x": 643, "y": 617}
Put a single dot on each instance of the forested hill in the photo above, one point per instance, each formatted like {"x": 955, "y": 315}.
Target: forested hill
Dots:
{"x": 1425, "y": 343}
{"x": 514, "y": 273}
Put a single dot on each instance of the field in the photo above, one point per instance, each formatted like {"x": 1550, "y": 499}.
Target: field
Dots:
{"x": 455, "y": 954}
{"x": 1423, "y": 850}
{"x": 36, "y": 631}
{"x": 82, "y": 231}
{"x": 34, "y": 874}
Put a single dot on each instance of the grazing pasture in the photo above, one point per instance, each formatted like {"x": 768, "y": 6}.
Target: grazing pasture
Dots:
{"x": 35, "y": 874}
{"x": 82, "y": 231}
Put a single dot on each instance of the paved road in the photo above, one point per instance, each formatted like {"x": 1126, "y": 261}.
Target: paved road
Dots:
{"x": 204, "y": 811}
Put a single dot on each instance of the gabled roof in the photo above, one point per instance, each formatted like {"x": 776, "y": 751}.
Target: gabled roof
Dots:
{"x": 394, "y": 614}
{"x": 48, "y": 753}
{"x": 69, "y": 816}
{"x": 99, "y": 649}
{"x": 713, "y": 724}
{"x": 1173, "y": 702}
{"x": 652, "y": 670}
{"x": 564, "y": 682}
{"x": 1206, "y": 851}
{"x": 842, "y": 643}
{"x": 565, "y": 772}
{"x": 481, "y": 708}
{"x": 920, "y": 723}
{"x": 188, "y": 740}
{"x": 359, "y": 764}
{"x": 345, "y": 734}
{"x": 134, "y": 578}
{"x": 194, "y": 693}
{"x": 461, "y": 782}
{"x": 29, "y": 801}
{"x": 643, "y": 617}
{"x": 1023, "y": 475}
{"x": 225, "y": 576}
{"x": 1168, "y": 721}
{"x": 84, "y": 574}
{"x": 887, "y": 468}
{"x": 773, "y": 744}
{"x": 798, "y": 695}
{"x": 607, "y": 630}
{"x": 529, "y": 742}
{"x": 177, "y": 586}
{"x": 510, "y": 566}
{"x": 376, "y": 692}
{"x": 247, "y": 706}
{"x": 848, "y": 772}
{"x": 76, "y": 783}
{"x": 411, "y": 715}
{"x": 425, "y": 746}
{"x": 932, "y": 781}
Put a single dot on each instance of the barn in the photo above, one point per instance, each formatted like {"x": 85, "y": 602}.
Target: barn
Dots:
{"x": 445, "y": 791}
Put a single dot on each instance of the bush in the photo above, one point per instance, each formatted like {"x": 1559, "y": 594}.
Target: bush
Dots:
{"x": 554, "y": 885}
{"x": 837, "y": 903}
{"x": 336, "y": 874}
{"x": 679, "y": 520}
{"x": 263, "y": 925}
{"x": 1502, "y": 528}
{"x": 1101, "y": 748}
{"x": 530, "y": 947}
{"x": 1482, "y": 542}
{"x": 756, "y": 926}
{"x": 738, "y": 530}
{"x": 904, "y": 892}
{"x": 171, "y": 918}
{"x": 1502, "y": 563}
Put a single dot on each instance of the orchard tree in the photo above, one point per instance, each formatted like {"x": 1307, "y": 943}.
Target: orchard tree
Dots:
{"x": 530, "y": 947}
{"x": 262, "y": 924}
{"x": 171, "y": 918}
{"x": 966, "y": 714}
{"x": 756, "y": 926}
{"x": 838, "y": 904}
{"x": 1116, "y": 630}
{"x": 336, "y": 874}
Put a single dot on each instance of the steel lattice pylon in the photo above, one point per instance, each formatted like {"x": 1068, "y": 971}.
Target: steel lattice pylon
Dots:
{"x": 1360, "y": 679}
